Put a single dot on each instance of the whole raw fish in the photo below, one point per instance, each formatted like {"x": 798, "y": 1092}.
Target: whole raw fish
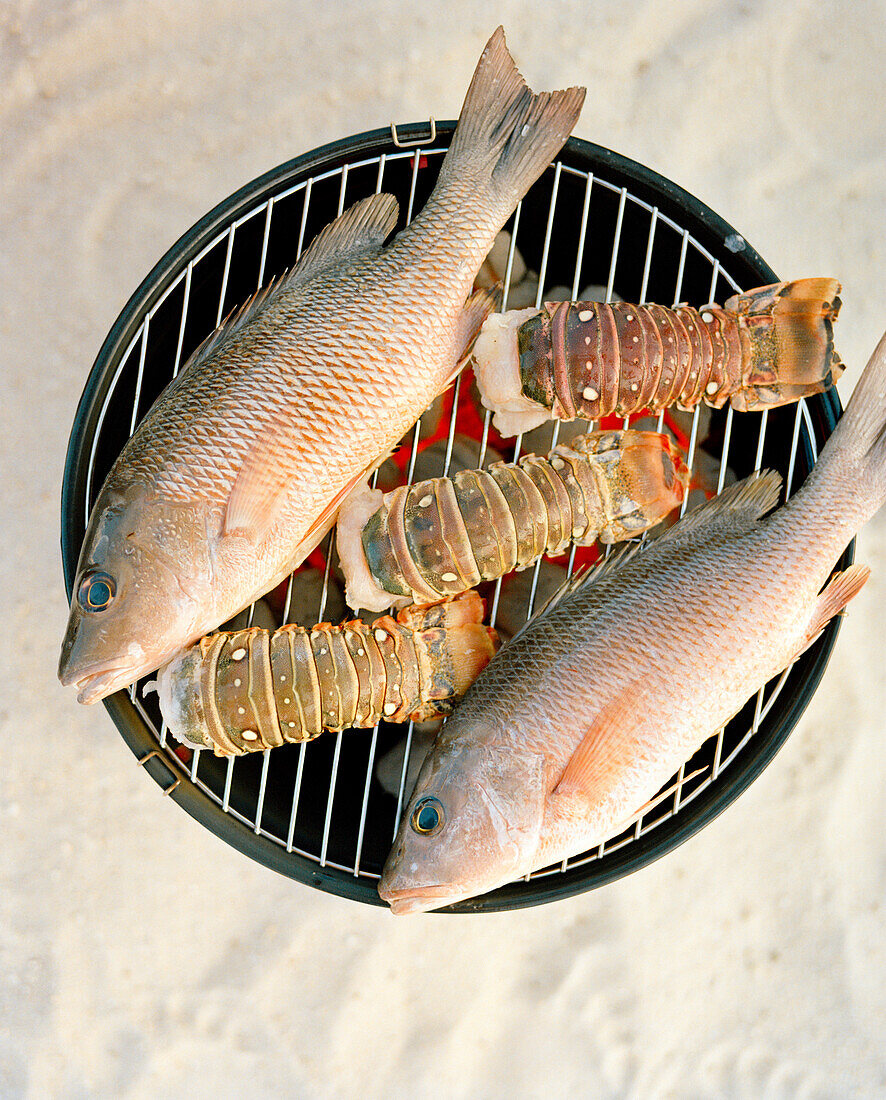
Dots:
{"x": 238, "y": 470}
{"x": 578, "y": 722}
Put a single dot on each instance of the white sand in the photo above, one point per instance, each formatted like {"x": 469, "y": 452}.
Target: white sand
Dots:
{"x": 142, "y": 957}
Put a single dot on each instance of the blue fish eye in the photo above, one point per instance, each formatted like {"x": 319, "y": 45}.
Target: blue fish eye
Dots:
{"x": 427, "y": 817}
{"x": 96, "y": 591}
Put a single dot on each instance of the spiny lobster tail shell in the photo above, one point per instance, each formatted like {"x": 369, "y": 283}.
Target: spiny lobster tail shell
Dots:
{"x": 787, "y": 338}
{"x": 444, "y": 535}
{"x": 763, "y": 348}
{"x": 250, "y": 690}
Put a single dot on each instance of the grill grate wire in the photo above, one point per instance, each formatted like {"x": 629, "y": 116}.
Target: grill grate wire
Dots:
{"x": 721, "y": 754}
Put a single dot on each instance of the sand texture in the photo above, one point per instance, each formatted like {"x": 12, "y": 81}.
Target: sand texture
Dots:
{"x": 142, "y": 957}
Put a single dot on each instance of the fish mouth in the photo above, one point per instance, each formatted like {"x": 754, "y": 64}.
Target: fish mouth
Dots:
{"x": 98, "y": 680}
{"x": 419, "y": 899}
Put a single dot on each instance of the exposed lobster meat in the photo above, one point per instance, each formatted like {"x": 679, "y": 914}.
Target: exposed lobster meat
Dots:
{"x": 254, "y": 689}
{"x": 445, "y": 535}
{"x": 763, "y": 348}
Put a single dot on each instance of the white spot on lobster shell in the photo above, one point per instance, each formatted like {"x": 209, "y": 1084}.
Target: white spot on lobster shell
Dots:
{"x": 589, "y": 394}
{"x": 249, "y": 735}
{"x": 585, "y": 315}
{"x": 238, "y": 654}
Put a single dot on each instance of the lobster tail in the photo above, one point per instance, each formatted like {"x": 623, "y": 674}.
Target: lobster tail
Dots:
{"x": 453, "y": 648}
{"x": 787, "y": 340}
{"x": 767, "y": 347}
{"x": 249, "y": 690}
{"x": 445, "y": 535}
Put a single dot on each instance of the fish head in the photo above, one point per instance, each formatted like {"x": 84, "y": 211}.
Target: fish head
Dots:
{"x": 141, "y": 583}
{"x": 473, "y": 823}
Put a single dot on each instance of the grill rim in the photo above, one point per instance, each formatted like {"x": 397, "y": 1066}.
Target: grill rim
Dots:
{"x": 710, "y": 230}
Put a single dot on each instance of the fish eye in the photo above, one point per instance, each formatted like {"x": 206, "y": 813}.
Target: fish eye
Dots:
{"x": 427, "y": 817}
{"x": 96, "y": 591}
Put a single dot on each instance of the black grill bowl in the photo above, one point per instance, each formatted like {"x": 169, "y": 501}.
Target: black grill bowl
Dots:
{"x": 317, "y": 812}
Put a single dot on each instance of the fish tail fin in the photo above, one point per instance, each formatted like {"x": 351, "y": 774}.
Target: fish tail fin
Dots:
{"x": 787, "y": 341}
{"x": 857, "y": 448}
{"x": 506, "y": 135}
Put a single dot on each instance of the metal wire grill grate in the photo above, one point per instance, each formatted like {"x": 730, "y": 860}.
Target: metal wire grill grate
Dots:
{"x": 321, "y": 801}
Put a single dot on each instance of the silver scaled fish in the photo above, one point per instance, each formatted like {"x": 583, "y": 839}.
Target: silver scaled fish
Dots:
{"x": 238, "y": 470}
{"x": 580, "y": 720}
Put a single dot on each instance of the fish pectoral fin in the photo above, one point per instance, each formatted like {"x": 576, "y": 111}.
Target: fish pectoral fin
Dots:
{"x": 612, "y": 727}
{"x": 257, "y": 497}
{"x": 832, "y": 599}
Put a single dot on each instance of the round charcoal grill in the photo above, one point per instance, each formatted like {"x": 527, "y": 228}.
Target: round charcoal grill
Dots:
{"x": 318, "y": 812}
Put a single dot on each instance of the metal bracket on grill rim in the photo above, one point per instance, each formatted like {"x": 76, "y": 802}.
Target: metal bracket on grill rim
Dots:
{"x": 142, "y": 760}
{"x": 419, "y": 141}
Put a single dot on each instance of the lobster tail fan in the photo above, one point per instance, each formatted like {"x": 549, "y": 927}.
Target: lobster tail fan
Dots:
{"x": 787, "y": 337}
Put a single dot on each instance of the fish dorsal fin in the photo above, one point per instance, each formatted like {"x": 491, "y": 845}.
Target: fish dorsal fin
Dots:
{"x": 588, "y": 575}
{"x": 363, "y": 228}
{"x": 746, "y": 501}
{"x": 237, "y": 319}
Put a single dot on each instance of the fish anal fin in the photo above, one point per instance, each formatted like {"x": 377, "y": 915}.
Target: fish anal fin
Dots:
{"x": 832, "y": 599}
{"x": 362, "y": 228}
{"x": 477, "y": 308}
